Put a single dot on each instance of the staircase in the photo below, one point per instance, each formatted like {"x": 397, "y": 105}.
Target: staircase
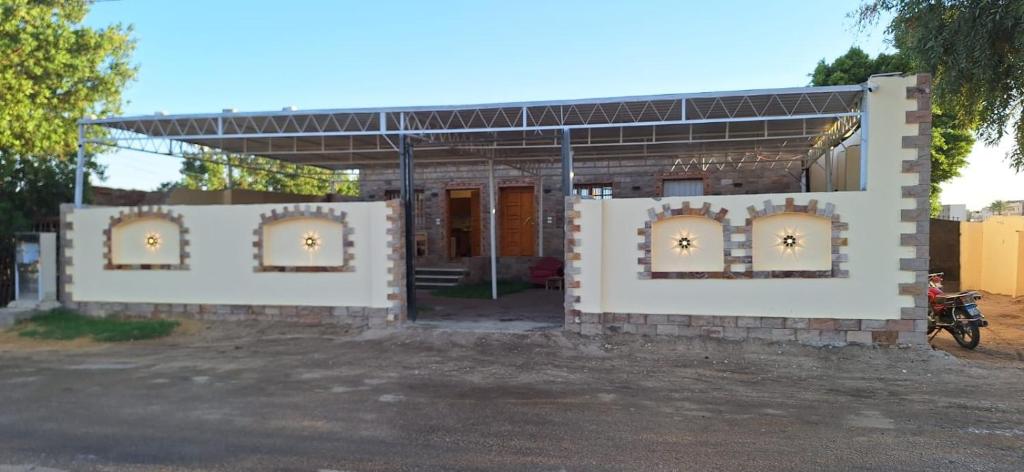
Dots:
{"x": 436, "y": 277}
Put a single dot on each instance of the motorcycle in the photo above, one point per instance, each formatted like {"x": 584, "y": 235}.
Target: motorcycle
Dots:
{"x": 956, "y": 312}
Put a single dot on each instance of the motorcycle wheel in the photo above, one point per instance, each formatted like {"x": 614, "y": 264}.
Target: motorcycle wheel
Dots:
{"x": 967, "y": 336}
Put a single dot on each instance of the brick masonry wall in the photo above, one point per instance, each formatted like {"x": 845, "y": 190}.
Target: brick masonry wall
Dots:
{"x": 629, "y": 178}
{"x": 909, "y": 330}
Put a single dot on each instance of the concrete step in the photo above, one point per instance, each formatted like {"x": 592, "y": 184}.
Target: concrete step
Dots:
{"x": 435, "y": 284}
{"x": 435, "y": 277}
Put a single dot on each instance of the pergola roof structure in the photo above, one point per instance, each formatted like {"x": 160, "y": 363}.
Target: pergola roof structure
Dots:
{"x": 739, "y": 127}
{"x": 742, "y": 128}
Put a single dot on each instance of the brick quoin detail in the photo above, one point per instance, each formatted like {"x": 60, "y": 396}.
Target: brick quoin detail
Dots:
{"x": 572, "y": 263}
{"x": 141, "y": 213}
{"x": 397, "y": 296}
{"x": 916, "y": 315}
{"x": 303, "y": 211}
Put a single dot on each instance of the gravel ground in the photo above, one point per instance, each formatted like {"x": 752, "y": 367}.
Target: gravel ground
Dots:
{"x": 249, "y": 397}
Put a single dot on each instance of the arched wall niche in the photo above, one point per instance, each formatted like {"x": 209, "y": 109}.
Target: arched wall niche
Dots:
{"x": 146, "y": 239}
{"x": 685, "y": 243}
{"x": 303, "y": 239}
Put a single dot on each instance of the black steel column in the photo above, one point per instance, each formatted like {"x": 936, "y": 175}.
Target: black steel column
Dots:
{"x": 566, "y": 162}
{"x": 408, "y": 193}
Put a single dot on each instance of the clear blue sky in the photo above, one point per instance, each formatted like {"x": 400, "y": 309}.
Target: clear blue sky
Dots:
{"x": 203, "y": 56}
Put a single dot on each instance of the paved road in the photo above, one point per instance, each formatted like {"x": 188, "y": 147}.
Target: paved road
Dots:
{"x": 256, "y": 397}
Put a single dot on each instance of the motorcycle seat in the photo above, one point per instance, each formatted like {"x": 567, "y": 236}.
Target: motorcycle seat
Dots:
{"x": 952, "y": 295}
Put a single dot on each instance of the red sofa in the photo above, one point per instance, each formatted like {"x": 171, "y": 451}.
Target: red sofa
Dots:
{"x": 544, "y": 268}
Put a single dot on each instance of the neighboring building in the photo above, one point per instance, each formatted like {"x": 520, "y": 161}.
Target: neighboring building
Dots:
{"x": 956, "y": 212}
{"x": 992, "y": 255}
{"x": 1011, "y": 208}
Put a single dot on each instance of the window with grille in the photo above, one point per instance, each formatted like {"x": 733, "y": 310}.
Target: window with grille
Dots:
{"x": 682, "y": 188}
{"x": 595, "y": 191}
{"x": 419, "y": 200}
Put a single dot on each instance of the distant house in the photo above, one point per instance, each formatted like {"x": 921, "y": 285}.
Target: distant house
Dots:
{"x": 955, "y": 212}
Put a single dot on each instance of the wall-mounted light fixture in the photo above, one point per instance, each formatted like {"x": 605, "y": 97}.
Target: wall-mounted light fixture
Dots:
{"x": 790, "y": 240}
{"x": 311, "y": 241}
{"x": 685, "y": 243}
{"x": 152, "y": 241}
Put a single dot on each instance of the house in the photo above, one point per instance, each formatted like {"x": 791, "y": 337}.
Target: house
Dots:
{"x": 955, "y": 212}
{"x": 789, "y": 214}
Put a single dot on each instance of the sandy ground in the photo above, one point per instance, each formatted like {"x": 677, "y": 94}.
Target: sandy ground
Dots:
{"x": 1002, "y": 342}
{"x": 250, "y": 397}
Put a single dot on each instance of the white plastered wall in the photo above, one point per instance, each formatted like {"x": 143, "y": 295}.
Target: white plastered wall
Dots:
{"x": 221, "y": 262}
{"x": 609, "y": 242}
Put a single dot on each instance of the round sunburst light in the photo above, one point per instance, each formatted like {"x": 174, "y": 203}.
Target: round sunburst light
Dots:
{"x": 790, "y": 240}
{"x": 311, "y": 241}
{"x": 685, "y": 243}
{"x": 152, "y": 241}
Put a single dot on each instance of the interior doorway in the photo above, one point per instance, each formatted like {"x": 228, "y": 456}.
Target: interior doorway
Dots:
{"x": 517, "y": 222}
{"x": 463, "y": 223}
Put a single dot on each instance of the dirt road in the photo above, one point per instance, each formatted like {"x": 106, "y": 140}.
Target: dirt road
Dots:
{"x": 1002, "y": 342}
{"x": 254, "y": 397}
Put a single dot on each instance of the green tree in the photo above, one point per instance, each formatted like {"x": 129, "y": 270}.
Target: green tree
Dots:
{"x": 211, "y": 172}
{"x": 951, "y": 140}
{"x": 975, "y": 51}
{"x": 997, "y": 207}
{"x": 53, "y": 71}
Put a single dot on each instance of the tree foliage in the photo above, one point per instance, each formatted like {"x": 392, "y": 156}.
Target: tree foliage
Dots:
{"x": 211, "y": 172}
{"x": 53, "y": 71}
{"x": 951, "y": 140}
{"x": 975, "y": 51}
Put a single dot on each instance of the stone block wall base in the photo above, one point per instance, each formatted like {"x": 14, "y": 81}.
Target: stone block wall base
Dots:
{"x": 356, "y": 317}
{"x": 809, "y": 331}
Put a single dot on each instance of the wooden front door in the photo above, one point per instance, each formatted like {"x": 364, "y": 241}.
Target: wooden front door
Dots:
{"x": 517, "y": 222}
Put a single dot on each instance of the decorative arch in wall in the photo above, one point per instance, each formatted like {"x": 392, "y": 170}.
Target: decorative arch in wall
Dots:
{"x": 685, "y": 243}
{"x": 147, "y": 238}
{"x": 303, "y": 239}
{"x": 794, "y": 241}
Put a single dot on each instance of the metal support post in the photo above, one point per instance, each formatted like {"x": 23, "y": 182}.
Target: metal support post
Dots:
{"x": 566, "y": 162}
{"x": 407, "y": 194}
{"x": 80, "y": 168}
{"x": 494, "y": 248}
{"x": 864, "y": 139}
{"x": 828, "y": 170}
{"x": 540, "y": 215}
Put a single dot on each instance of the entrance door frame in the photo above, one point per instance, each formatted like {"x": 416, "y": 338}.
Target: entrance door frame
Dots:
{"x": 479, "y": 187}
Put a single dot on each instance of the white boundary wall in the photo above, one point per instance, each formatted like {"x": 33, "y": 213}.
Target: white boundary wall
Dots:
{"x": 608, "y": 242}
{"x": 221, "y": 261}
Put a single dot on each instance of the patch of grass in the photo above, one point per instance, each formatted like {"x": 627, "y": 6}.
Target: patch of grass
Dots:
{"x": 64, "y": 324}
{"x": 482, "y": 290}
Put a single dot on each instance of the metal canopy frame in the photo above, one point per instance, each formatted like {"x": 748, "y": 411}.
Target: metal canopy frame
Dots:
{"x": 770, "y": 121}
{"x": 785, "y": 126}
